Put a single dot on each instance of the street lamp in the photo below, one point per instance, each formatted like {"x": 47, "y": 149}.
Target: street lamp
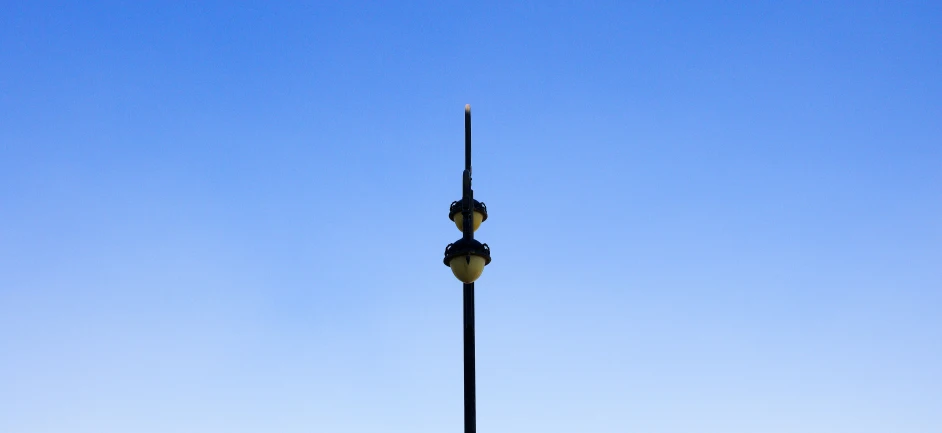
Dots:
{"x": 467, "y": 257}
{"x": 480, "y": 214}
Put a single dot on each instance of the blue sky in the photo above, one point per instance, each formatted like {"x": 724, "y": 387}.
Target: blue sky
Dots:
{"x": 704, "y": 216}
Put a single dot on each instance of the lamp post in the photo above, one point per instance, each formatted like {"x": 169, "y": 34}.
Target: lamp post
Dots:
{"x": 467, "y": 258}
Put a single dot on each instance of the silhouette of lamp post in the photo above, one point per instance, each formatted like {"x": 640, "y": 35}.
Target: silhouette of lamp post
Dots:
{"x": 467, "y": 257}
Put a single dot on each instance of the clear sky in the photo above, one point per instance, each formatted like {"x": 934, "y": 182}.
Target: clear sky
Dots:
{"x": 705, "y": 216}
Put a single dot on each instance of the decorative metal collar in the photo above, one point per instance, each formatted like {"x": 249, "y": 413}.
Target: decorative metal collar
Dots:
{"x": 467, "y": 247}
{"x": 456, "y": 208}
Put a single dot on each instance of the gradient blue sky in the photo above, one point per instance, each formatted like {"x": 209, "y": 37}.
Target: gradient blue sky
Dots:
{"x": 705, "y": 216}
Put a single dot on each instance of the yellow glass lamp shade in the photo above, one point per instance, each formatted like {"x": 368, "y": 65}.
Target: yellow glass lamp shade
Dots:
{"x": 467, "y": 268}
{"x": 478, "y": 217}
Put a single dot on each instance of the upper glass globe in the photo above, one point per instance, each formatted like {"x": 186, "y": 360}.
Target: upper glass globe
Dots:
{"x": 477, "y": 218}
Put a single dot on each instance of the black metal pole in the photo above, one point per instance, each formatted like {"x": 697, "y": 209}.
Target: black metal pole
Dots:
{"x": 470, "y": 414}
{"x": 467, "y": 137}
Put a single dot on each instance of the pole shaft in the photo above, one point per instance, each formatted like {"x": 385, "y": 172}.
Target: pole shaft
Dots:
{"x": 470, "y": 415}
{"x": 467, "y": 137}
{"x": 469, "y": 386}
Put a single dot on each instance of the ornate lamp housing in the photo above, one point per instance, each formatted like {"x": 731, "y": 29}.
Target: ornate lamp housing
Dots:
{"x": 467, "y": 258}
{"x": 480, "y": 214}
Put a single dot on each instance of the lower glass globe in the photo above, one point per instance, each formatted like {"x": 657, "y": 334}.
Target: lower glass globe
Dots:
{"x": 467, "y": 268}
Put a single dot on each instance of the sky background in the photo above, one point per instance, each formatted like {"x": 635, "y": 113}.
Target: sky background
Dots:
{"x": 705, "y": 216}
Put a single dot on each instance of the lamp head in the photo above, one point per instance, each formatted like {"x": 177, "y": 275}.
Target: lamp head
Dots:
{"x": 479, "y": 215}
{"x": 467, "y": 258}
